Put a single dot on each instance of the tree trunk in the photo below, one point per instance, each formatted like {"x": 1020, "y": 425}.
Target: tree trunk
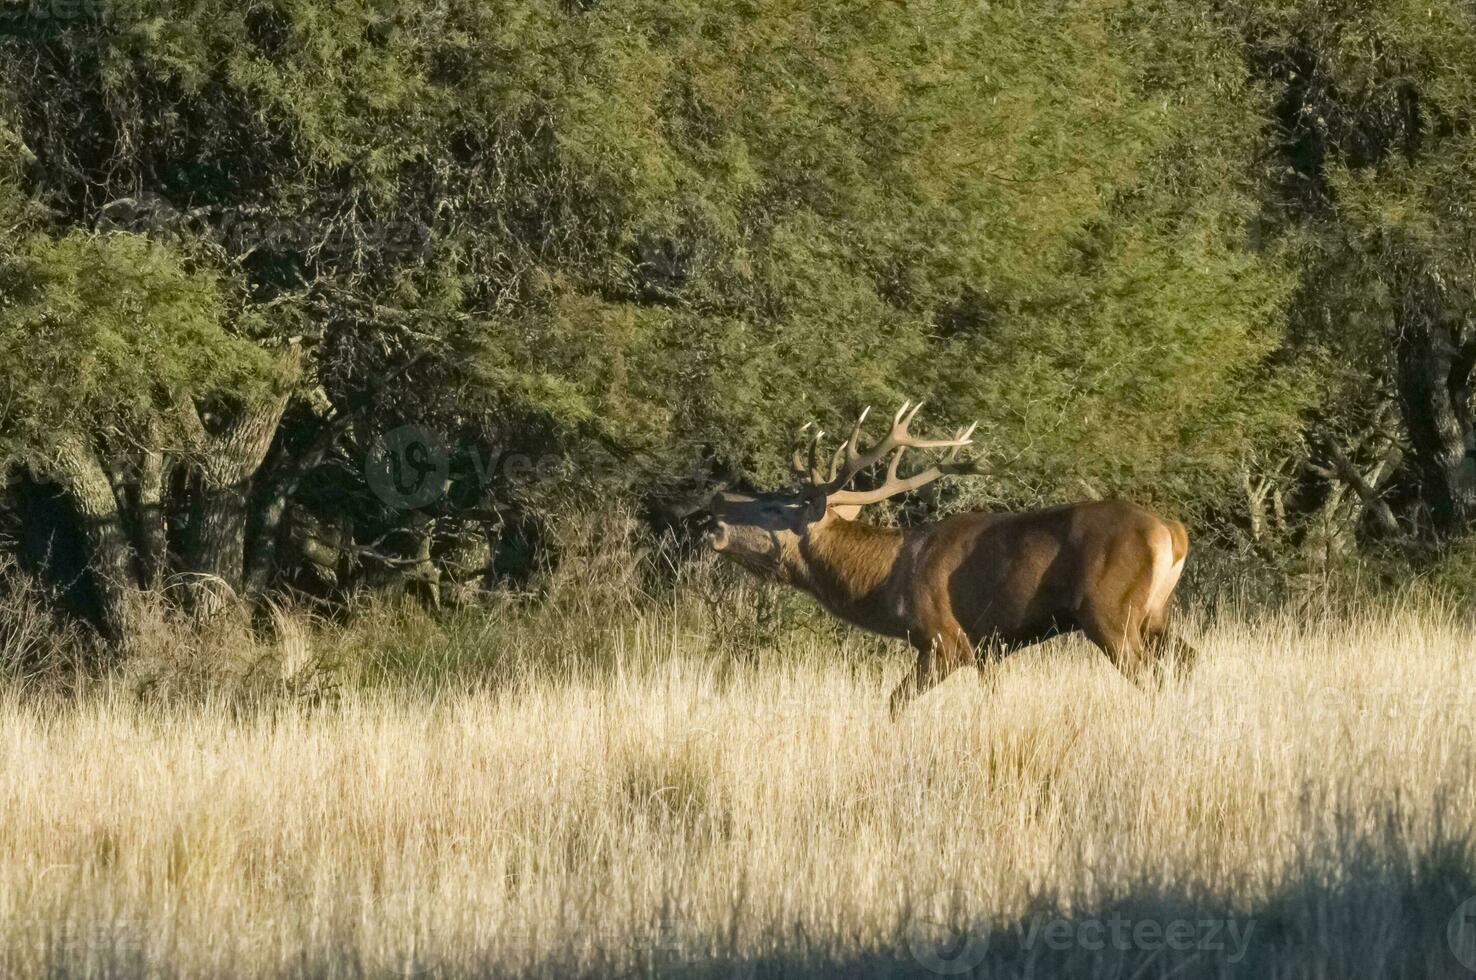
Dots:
{"x": 1432, "y": 373}
{"x": 229, "y": 464}
{"x": 150, "y": 530}
{"x": 265, "y": 529}
{"x": 231, "y": 460}
{"x": 109, "y": 558}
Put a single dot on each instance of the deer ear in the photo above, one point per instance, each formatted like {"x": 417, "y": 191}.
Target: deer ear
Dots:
{"x": 846, "y": 512}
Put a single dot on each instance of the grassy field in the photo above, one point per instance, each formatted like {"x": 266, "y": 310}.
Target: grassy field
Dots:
{"x": 1304, "y": 805}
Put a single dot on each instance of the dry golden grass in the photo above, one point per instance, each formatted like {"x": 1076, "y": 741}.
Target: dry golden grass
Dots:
{"x": 1304, "y": 805}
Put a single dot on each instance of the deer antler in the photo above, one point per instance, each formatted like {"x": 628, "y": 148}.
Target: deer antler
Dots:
{"x": 850, "y": 460}
{"x": 806, "y": 464}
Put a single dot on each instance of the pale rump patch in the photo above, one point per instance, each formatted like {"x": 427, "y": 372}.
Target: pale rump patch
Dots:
{"x": 1166, "y": 571}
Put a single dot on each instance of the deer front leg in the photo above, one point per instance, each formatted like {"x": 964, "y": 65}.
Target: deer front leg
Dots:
{"x": 987, "y": 658}
{"x": 938, "y": 655}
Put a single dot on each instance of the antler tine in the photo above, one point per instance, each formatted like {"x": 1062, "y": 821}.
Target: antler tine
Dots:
{"x": 857, "y": 459}
{"x": 797, "y": 462}
{"x": 855, "y": 439}
{"x": 850, "y": 450}
{"x": 817, "y": 475}
{"x": 895, "y": 485}
{"x": 835, "y": 461}
{"x": 898, "y": 437}
{"x": 894, "y": 464}
{"x": 965, "y": 437}
{"x": 895, "y": 444}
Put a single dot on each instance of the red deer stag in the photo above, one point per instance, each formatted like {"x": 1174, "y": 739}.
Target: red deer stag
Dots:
{"x": 973, "y": 585}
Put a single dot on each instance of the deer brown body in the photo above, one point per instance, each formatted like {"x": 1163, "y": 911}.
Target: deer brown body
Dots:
{"x": 970, "y": 587}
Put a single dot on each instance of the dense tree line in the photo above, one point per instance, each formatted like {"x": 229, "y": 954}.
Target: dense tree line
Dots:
{"x": 1212, "y": 254}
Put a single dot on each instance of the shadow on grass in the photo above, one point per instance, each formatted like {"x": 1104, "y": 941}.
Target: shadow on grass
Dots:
{"x": 1366, "y": 917}
{"x": 1348, "y": 909}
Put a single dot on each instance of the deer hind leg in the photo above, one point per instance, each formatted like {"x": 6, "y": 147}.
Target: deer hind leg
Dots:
{"x": 1130, "y": 626}
{"x": 1170, "y": 652}
{"x": 943, "y": 653}
{"x": 1113, "y": 630}
{"x": 1169, "y": 649}
{"x": 1166, "y": 648}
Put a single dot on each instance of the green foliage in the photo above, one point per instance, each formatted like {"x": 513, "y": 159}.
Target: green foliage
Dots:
{"x": 1377, "y": 167}
{"x": 102, "y": 334}
{"x": 690, "y": 227}
{"x": 1149, "y": 244}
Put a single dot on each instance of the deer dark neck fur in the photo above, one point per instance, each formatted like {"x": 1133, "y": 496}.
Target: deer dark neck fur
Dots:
{"x": 854, "y": 570}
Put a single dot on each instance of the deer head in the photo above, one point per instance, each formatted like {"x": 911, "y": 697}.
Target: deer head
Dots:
{"x": 766, "y": 532}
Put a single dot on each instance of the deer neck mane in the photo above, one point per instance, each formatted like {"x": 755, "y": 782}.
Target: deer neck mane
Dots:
{"x": 849, "y": 567}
